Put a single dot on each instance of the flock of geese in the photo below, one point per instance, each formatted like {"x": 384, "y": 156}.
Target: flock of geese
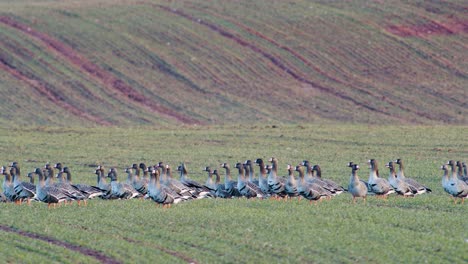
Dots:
{"x": 158, "y": 184}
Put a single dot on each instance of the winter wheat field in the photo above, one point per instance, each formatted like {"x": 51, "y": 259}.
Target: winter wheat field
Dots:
{"x": 426, "y": 228}
{"x": 113, "y": 83}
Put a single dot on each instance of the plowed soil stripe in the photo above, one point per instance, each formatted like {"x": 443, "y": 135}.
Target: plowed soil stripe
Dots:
{"x": 107, "y": 79}
{"x": 51, "y": 95}
{"x": 275, "y": 60}
{"x": 85, "y": 251}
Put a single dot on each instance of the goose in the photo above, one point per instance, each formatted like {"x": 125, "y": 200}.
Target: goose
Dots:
{"x": 102, "y": 183}
{"x": 141, "y": 185}
{"x": 416, "y": 185}
{"x": 174, "y": 184}
{"x": 310, "y": 177}
{"x": 70, "y": 190}
{"x": 262, "y": 177}
{"x": 24, "y": 190}
{"x": 379, "y": 186}
{"x": 445, "y": 179}
{"x": 210, "y": 184}
{"x": 145, "y": 171}
{"x": 465, "y": 172}
{"x": 49, "y": 194}
{"x": 350, "y": 164}
{"x": 275, "y": 183}
{"x": 461, "y": 173}
{"x": 356, "y": 187}
{"x": 201, "y": 191}
{"x": 8, "y": 188}
{"x": 251, "y": 172}
{"x": 121, "y": 190}
{"x": 246, "y": 188}
{"x": 160, "y": 193}
{"x": 88, "y": 191}
{"x": 49, "y": 174}
{"x": 400, "y": 187}
{"x": 456, "y": 187}
{"x": 337, "y": 189}
{"x": 291, "y": 184}
{"x": 311, "y": 192}
{"x": 229, "y": 185}
{"x": 220, "y": 187}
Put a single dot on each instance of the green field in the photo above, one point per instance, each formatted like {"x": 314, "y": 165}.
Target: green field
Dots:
{"x": 427, "y": 228}
{"x": 143, "y": 62}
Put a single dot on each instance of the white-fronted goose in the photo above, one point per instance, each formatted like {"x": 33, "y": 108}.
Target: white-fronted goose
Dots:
{"x": 246, "y": 188}
{"x": 69, "y": 189}
{"x": 456, "y": 187}
{"x": 159, "y": 193}
{"x": 311, "y": 192}
{"x": 445, "y": 179}
{"x": 8, "y": 188}
{"x": 276, "y": 183}
{"x": 414, "y": 184}
{"x": 262, "y": 177}
{"x": 250, "y": 172}
{"x": 400, "y": 187}
{"x": 121, "y": 190}
{"x": 229, "y": 184}
{"x": 220, "y": 187}
{"x": 311, "y": 177}
{"x": 379, "y": 186}
{"x": 462, "y": 173}
{"x": 291, "y": 184}
{"x": 88, "y": 191}
{"x": 134, "y": 174}
{"x": 337, "y": 189}
{"x": 210, "y": 184}
{"x": 49, "y": 194}
{"x": 202, "y": 191}
{"x": 102, "y": 183}
{"x": 175, "y": 184}
{"x": 24, "y": 190}
{"x": 356, "y": 187}
{"x": 145, "y": 171}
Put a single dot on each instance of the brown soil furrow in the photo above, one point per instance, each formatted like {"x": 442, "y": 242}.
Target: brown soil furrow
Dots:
{"x": 107, "y": 79}
{"x": 85, "y": 251}
{"x": 275, "y": 60}
{"x": 50, "y": 94}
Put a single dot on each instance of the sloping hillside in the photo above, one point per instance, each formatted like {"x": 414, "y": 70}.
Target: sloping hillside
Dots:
{"x": 216, "y": 62}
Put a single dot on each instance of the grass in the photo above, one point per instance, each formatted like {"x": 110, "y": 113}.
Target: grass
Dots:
{"x": 428, "y": 228}
{"x": 218, "y": 62}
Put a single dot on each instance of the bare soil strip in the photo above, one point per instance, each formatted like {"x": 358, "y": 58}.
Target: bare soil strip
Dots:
{"x": 85, "y": 251}
{"x": 107, "y": 79}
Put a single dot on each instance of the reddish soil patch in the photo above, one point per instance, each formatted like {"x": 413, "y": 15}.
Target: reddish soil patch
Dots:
{"x": 82, "y": 250}
{"x": 106, "y": 78}
{"x": 431, "y": 28}
{"x": 51, "y": 95}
